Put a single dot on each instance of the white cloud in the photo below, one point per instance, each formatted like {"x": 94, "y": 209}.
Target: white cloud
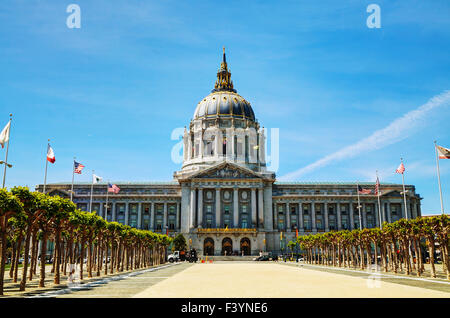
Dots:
{"x": 397, "y": 130}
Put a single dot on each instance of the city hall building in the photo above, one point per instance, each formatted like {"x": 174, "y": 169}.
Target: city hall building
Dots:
{"x": 225, "y": 201}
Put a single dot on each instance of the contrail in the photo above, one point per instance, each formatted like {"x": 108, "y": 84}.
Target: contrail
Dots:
{"x": 394, "y": 132}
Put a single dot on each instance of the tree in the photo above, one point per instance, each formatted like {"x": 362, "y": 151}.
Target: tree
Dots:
{"x": 10, "y": 206}
{"x": 179, "y": 242}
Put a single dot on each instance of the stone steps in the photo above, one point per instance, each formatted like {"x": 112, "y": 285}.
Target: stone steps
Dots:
{"x": 229, "y": 258}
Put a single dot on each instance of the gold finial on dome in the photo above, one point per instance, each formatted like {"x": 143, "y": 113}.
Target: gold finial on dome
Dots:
{"x": 223, "y": 82}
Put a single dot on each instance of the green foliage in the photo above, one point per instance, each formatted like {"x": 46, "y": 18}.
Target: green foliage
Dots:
{"x": 179, "y": 242}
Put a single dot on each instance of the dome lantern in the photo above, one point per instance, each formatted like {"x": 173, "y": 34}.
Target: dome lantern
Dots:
{"x": 223, "y": 82}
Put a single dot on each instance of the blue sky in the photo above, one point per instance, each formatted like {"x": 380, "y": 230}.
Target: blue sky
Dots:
{"x": 111, "y": 92}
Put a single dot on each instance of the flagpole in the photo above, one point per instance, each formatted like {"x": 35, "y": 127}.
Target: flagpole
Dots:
{"x": 7, "y": 148}
{"x": 106, "y": 205}
{"x": 439, "y": 177}
{"x": 92, "y": 189}
{"x": 379, "y": 204}
{"x": 46, "y": 165}
{"x": 73, "y": 175}
{"x": 404, "y": 192}
{"x": 359, "y": 206}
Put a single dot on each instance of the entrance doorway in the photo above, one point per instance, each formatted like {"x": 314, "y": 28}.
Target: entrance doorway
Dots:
{"x": 227, "y": 246}
{"x": 245, "y": 246}
{"x": 208, "y": 247}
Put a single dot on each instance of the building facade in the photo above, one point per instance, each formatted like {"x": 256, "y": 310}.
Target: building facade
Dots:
{"x": 225, "y": 201}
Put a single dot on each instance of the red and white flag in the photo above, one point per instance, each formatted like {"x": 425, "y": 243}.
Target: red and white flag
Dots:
{"x": 50, "y": 154}
{"x": 400, "y": 169}
{"x": 113, "y": 188}
{"x": 377, "y": 187}
{"x": 443, "y": 153}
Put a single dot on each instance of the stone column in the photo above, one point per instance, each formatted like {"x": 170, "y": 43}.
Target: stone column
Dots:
{"x": 338, "y": 216}
{"x": 377, "y": 215}
{"x": 383, "y": 211}
{"x": 268, "y": 212}
{"x": 352, "y": 213}
{"x": 253, "y": 198}
{"x": 218, "y": 211}
{"x": 389, "y": 215}
{"x": 192, "y": 210}
{"x": 260, "y": 208}
{"x": 165, "y": 218}
{"x": 300, "y": 217}
{"x": 313, "y": 216}
{"x": 325, "y": 214}
{"x": 113, "y": 212}
{"x": 202, "y": 145}
{"x": 185, "y": 208}
{"x": 200, "y": 208}
{"x": 288, "y": 217}
{"x": 415, "y": 210}
{"x": 126, "y": 213}
{"x": 235, "y": 208}
{"x": 364, "y": 216}
{"x": 100, "y": 209}
{"x": 178, "y": 216}
{"x": 152, "y": 216}
{"x": 139, "y": 222}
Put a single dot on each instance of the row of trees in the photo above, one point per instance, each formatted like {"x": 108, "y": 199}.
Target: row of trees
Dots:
{"x": 399, "y": 245}
{"x": 29, "y": 221}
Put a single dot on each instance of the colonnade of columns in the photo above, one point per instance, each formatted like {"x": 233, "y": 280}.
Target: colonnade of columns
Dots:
{"x": 197, "y": 213}
{"x": 347, "y": 210}
{"x": 112, "y": 213}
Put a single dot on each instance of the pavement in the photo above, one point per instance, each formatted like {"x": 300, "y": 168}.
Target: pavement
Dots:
{"x": 274, "y": 280}
{"x": 250, "y": 280}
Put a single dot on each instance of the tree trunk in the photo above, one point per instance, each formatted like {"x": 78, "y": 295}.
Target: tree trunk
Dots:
{"x": 26, "y": 251}
{"x": 43, "y": 259}
{"x": 16, "y": 265}
{"x": 4, "y": 246}
{"x": 57, "y": 258}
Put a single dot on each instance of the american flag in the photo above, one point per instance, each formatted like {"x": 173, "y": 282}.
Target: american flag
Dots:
{"x": 364, "y": 191}
{"x": 113, "y": 188}
{"x": 400, "y": 169}
{"x": 77, "y": 167}
{"x": 377, "y": 187}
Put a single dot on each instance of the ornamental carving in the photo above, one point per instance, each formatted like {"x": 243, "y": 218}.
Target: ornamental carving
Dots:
{"x": 228, "y": 173}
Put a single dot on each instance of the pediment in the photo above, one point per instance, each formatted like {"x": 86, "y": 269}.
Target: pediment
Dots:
{"x": 226, "y": 171}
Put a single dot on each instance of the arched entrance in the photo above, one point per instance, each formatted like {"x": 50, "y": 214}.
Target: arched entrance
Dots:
{"x": 245, "y": 246}
{"x": 227, "y": 246}
{"x": 208, "y": 247}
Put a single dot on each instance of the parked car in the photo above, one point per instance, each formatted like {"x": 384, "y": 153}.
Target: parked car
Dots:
{"x": 174, "y": 257}
{"x": 262, "y": 258}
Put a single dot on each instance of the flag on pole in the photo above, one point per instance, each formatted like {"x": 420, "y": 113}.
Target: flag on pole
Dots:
{"x": 4, "y": 135}
{"x": 113, "y": 188}
{"x": 444, "y": 153}
{"x": 400, "y": 169}
{"x": 77, "y": 167}
{"x": 377, "y": 187}
{"x": 363, "y": 191}
{"x": 96, "y": 179}
{"x": 50, "y": 154}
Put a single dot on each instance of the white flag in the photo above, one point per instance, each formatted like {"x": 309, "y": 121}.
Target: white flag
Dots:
{"x": 4, "y": 135}
{"x": 96, "y": 179}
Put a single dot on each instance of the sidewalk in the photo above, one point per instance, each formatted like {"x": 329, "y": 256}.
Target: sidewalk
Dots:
{"x": 11, "y": 289}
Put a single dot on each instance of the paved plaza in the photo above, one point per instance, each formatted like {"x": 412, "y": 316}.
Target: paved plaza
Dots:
{"x": 261, "y": 279}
